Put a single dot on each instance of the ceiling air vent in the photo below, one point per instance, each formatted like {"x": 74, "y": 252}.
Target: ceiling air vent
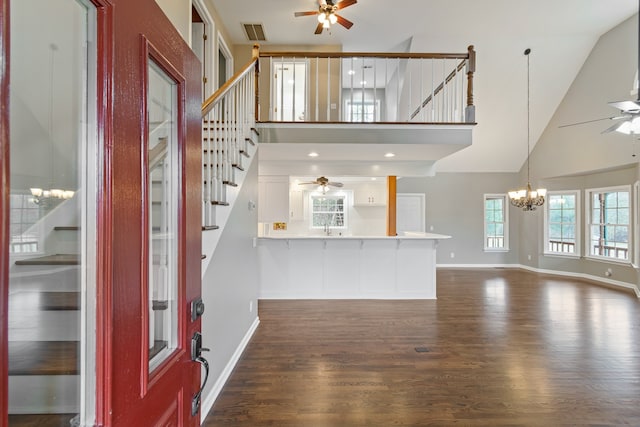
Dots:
{"x": 254, "y": 32}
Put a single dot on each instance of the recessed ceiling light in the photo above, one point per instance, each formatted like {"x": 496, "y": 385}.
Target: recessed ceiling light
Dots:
{"x": 313, "y": 154}
{"x": 351, "y": 72}
{"x": 363, "y": 82}
{"x": 389, "y": 155}
{"x": 373, "y": 178}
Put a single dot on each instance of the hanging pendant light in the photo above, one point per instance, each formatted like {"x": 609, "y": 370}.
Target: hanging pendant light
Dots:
{"x": 40, "y": 194}
{"x": 526, "y": 198}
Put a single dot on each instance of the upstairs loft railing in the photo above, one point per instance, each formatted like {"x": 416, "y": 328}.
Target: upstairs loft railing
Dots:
{"x": 366, "y": 87}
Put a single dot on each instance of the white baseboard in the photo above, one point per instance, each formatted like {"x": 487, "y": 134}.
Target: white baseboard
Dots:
{"x": 210, "y": 398}
{"x": 609, "y": 282}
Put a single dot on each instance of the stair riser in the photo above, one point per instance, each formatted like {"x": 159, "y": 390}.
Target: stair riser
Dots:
{"x": 51, "y": 394}
{"x": 44, "y": 326}
{"x": 44, "y": 278}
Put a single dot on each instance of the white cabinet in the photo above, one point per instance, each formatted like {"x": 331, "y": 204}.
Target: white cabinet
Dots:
{"x": 273, "y": 199}
{"x": 370, "y": 194}
{"x": 296, "y": 205}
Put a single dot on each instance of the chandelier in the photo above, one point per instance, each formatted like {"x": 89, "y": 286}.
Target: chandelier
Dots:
{"x": 528, "y": 199}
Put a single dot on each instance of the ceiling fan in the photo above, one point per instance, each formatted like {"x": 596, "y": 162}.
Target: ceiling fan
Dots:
{"x": 327, "y": 15}
{"x": 629, "y": 110}
{"x": 323, "y": 183}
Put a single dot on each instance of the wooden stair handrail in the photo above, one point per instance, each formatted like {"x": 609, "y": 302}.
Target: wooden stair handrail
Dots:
{"x": 252, "y": 65}
{"x": 389, "y": 55}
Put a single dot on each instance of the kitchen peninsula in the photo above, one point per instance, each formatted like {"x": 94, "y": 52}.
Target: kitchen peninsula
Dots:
{"x": 348, "y": 267}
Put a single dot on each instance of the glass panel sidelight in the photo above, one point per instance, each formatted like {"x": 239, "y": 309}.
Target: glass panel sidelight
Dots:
{"x": 53, "y": 212}
{"x": 162, "y": 194}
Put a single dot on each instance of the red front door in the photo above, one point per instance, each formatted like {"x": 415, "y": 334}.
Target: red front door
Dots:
{"x": 155, "y": 248}
{"x": 148, "y": 217}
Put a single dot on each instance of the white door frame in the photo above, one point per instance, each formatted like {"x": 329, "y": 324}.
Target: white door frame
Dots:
{"x": 209, "y": 29}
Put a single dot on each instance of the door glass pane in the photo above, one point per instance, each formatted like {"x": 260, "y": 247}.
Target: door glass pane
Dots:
{"x": 162, "y": 195}
{"x": 52, "y": 212}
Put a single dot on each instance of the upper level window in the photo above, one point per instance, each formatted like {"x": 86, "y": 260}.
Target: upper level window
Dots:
{"x": 328, "y": 211}
{"x": 496, "y": 223}
{"x": 562, "y": 222}
{"x": 358, "y": 111}
{"x": 608, "y": 213}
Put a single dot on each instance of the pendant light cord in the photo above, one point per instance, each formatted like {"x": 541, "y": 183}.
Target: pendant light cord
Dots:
{"x": 527, "y": 52}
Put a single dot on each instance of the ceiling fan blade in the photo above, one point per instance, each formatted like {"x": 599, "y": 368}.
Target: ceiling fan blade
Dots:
{"x": 344, "y": 22}
{"x": 311, "y": 12}
{"x": 594, "y": 120}
{"x": 626, "y": 105}
{"x": 309, "y": 183}
{"x": 335, "y": 184}
{"x": 614, "y": 127}
{"x": 346, "y": 3}
{"x": 319, "y": 29}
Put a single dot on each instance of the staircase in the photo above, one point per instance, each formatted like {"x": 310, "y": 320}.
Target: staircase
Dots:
{"x": 229, "y": 145}
{"x": 44, "y": 332}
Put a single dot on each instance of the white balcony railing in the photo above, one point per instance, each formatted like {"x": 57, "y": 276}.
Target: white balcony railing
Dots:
{"x": 366, "y": 87}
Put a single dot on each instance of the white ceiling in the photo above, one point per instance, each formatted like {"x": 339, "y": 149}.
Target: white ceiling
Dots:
{"x": 560, "y": 33}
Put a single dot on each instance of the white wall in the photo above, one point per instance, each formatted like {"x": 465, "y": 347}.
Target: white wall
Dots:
{"x": 179, "y": 13}
{"x": 230, "y": 285}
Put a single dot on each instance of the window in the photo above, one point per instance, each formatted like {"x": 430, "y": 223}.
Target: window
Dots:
{"x": 366, "y": 112}
{"x": 328, "y": 211}
{"x": 496, "y": 223}
{"x": 562, "y": 222}
{"x": 25, "y": 213}
{"x": 608, "y": 211}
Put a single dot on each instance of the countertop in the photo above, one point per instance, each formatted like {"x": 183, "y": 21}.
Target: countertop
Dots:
{"x": 411, "y": 236}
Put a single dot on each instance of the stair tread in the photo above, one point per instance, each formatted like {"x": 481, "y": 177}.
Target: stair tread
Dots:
{"x": 66, "y": 227}
{"x": 210, "y": 227}
{"x": 45, "y": 301}
{"x": 217, "y": 203}
{"x": 43, "y": 357}
{"x": 57, "y": 259}
{"x": 40, "y": 420}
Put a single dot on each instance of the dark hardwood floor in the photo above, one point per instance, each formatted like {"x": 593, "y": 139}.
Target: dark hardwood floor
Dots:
{"x": 499, "y": 347}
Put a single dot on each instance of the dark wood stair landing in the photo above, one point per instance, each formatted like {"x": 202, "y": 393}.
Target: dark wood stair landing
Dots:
{"x": 40, "y": 420}
{"x": 57, "y": 259}
{"x": 43, "y": 357}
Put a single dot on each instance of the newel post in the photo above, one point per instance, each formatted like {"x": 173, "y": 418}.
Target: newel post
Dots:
{"x": 470, "y": 110}
{"x": 255, "y": 54}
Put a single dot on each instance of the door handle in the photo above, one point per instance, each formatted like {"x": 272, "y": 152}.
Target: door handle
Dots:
{"x": 196, "y": 356}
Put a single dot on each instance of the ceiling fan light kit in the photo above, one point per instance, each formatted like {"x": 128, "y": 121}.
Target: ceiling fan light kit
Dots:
{"x": 327, "y": 15}
{"x": 526, "y": 198}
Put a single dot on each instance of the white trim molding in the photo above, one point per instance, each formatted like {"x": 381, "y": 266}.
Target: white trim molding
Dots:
{"x": 210, "y": 398}
{"x": 615, "y": 283}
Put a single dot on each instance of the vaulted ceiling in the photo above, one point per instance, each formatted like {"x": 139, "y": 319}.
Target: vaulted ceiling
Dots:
{"x": 561, "y": 35}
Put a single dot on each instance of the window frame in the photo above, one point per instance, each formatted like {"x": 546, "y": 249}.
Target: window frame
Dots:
{"x": 345, "y": 211}
{"x": 505, "y": 222}
{"x": 588, "y": 223}
{"x": 577, "y": 224}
